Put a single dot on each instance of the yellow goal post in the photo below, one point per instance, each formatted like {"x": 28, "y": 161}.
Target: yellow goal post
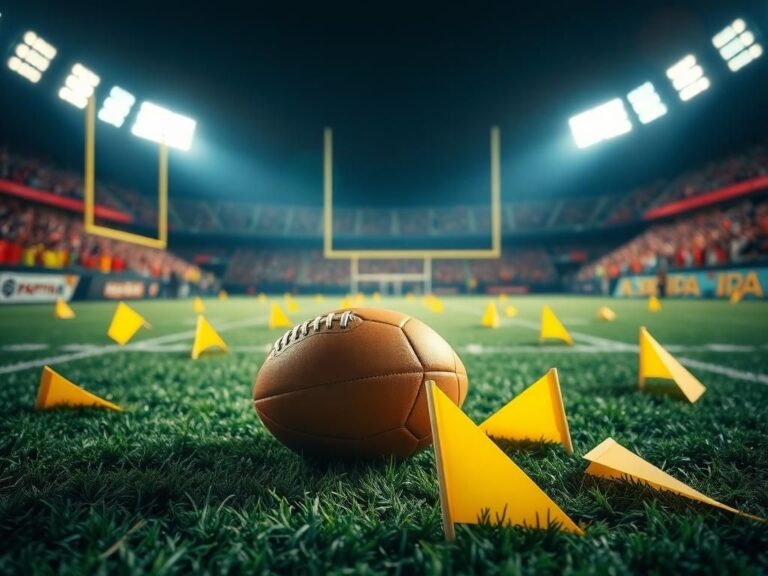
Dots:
{"x": 89, "y": 192}
{"x": 396, "y": 280}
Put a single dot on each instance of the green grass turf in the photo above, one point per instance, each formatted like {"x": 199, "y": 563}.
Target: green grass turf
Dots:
{"x": 187, "y": 479}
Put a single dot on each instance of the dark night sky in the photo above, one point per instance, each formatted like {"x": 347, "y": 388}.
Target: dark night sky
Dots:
{"x": 410, "y": 88}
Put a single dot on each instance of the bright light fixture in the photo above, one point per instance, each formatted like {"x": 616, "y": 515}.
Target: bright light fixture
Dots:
{"x": 79, "y": 86}
{"x": 117, "y": 106}
{"x": 600, "y": 123}
{"x": 646, "y": 103}
{"x": 688, "y": 77}
{"x": 32, "y": 57}
{"x": 160, "y": 125}
{"x": 736, "y": 44}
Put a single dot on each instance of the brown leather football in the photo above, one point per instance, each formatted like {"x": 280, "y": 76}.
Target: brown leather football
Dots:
{"x": 351, "y": 384}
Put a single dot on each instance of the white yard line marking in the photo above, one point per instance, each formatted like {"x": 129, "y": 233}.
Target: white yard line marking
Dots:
{"x": 725, "y": 370}
{"x": 31, "y": 347}
{"x": 111, "y": 349}
{"x": 168, "y": 348}
{"x": 615, "y": 346}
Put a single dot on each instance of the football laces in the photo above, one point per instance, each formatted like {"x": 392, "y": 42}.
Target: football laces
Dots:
{"x": 303, "y": 329}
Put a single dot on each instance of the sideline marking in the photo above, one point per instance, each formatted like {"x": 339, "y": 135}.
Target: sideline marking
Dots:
{"x": 111, "y": 349}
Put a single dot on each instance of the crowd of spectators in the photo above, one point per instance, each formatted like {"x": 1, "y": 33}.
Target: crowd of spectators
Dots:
{"x": 39, "y": 174}
{"x": 631, "y": 206}
{"x": 259, "y": 268}
{"x": 275, "y": 266}
{"x": 750, "y": 164}
{"x": 244, "y": 217}
{"x": 516, "y": 267}
{"x": 719, "y": 236}
{"x": 38, "y": 236}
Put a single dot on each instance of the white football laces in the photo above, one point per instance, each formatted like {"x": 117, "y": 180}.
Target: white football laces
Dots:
{"x": 303, "y": 329}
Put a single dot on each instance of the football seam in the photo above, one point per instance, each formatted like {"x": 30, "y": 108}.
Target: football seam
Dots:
{"x": 345, "y": 438}
{"x": 413, "y": 349}
{"x": 422, "y": 371}
{"x": 413, "y": 406}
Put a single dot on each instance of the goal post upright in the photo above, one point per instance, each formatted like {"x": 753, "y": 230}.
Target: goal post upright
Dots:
{"x": 354, "y": 256}
{"x": 89, "y": 191}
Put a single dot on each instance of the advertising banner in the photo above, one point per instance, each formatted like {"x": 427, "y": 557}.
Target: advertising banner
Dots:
{"x": 101, "y": 287}
{"x": 20, "y": 287}
{"x": 123, "y": 289}
{"x": 749, "y": 282}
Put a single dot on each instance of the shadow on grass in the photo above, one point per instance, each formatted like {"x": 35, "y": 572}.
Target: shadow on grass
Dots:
{"x": 663, "y": 388}
{"x": 629, "y": 501}
{"x": 528, "y": 448}
{"x": 164, "y": 471}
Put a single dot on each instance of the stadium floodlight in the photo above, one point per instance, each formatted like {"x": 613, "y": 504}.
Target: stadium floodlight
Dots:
{"x": 31, "y": 57}
{"x": 688, "y": 77}
{"x": 600, "y": 123}
{"x": 117, "y": 106}
{"x": 736, "y": 44}
{"x": 646, "y": 103}
{"x": 79, "y": 86}
{"x": 160, "y": 125}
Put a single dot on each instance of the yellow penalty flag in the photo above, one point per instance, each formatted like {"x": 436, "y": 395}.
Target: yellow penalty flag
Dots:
{"x": 490, "y": 317}
{"x": 277, "y": 318}
{"x": 206, "y": 338}
{"x": 510, "y": 311}
{"x": 656, "y": 362}
{"x": 125, "y": 323}
{"x": 552, "y": 328}
{"x": 434, "y": 304}
{"x": 537, "y": 413}
{"x": 612, "y": 461}
{"x": 346, "y": 302}
{"x": 290, "y": 304}
{"x": 56, "y": 391}
{"x": 198, "y": 306}
{"x": 478, "y": 481}
{"x": 377, "y": 296}
{"x": 358, "y": 299}
{"x": 223, "y": 295}
{"x": 654, "y": 304}
{"x": 62, "y": 310}
{"x": 262, "y": 298}
{"x": 606, "y": 314}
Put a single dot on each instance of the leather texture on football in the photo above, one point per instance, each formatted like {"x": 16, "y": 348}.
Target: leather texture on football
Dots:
{"x": 350, "y": 384}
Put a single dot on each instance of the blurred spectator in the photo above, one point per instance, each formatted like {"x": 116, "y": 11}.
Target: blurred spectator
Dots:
{"x": 40, "y": 236}
{"x": 714, "y": 237}
{"x": 285, "y": 266}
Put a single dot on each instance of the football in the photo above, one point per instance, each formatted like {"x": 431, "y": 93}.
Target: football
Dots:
{"x": 350, "y": 384}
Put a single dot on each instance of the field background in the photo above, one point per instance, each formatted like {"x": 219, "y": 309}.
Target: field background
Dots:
{"x": 188, "y": 478}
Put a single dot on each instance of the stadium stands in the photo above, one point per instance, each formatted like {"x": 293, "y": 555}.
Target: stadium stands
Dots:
{"x": 37, "y": 173}
{"x": 730, "y": 232}
{"x": 37, "y": 236}
{"x": 281, "y": 269}
{"x": 736, "y": 234}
